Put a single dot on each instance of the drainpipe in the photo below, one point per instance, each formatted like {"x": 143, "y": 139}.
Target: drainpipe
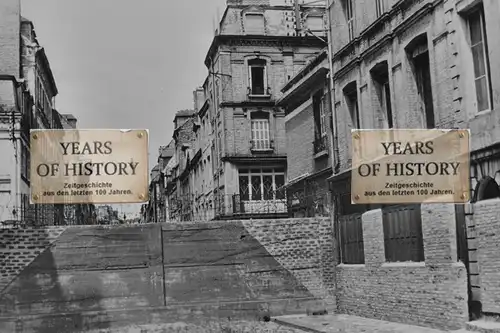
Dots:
{"x": 335, "y": 153}
{"x": 215, "y": 110}
{"x": 334, "y": 220}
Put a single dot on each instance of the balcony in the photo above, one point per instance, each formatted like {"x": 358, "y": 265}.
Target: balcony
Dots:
{"x": 257, "y": 207}
{"x": 262, "y": 145}
{"x": 259, "y": 92}
{"x": 320, "y": 145}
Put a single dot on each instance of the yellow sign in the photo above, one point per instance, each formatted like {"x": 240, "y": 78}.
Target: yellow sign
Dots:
{"x": 89, "y": 166}
{"x": 410, "y": 166}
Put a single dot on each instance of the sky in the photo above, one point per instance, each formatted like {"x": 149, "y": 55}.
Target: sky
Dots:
{"x": 125, "y": 63}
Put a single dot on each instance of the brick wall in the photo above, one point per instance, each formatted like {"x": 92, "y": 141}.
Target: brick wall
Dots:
{"x": 10, "y": 29}
{"x": 304, "y": 247}
{"x": 19, "y": 247}
{"x": 431, "y": 293}
{"x": 216, "y": 269}
{"x": 487, "y": 221}
{"x": 300, "y": 130}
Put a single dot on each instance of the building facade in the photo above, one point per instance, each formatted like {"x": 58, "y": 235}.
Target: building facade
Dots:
{"x": 308, "y": 125}
{"x": 255, "y": 51}
{"x": 74, "y": 214}
{"x": 28, "y": 93}
{"x": 176, "y": 175}
{"x": 414, "y": 64}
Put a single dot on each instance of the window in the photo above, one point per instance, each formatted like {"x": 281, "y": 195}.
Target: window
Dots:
{"x": 349, "y": 16}
{"x": 25, "y": 162}
{"x": 261, "y": 184}
{"x": 380, "y": 76}
{"x": 219, "y": 145}
{"x": 260, "y": 130}
{"x": 319, "y": 111}
{"x": 479, "y": 48}
{"x": 421, "y": 65}
{"x": 403, "y": 239}
{"x": 254, "y": 24}
{"x": 257, "y": 77}
{"x": 315, "y": 23}
{"x": 351, "y": 97}
{"x": 379, "y": 7}
{"x": 320, "y": 122}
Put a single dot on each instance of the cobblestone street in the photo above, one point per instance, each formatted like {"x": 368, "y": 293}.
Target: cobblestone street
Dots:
{"x": 352, "y": 324}
{"x": 327, "y": 324}
{"x": 240, "y": 327}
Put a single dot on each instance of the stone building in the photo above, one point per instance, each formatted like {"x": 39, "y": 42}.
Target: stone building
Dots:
{"x": 25, "y": 70}
{"x": 254, "y": 52}
{"x": 177, "y": 174}
{"x": 165, "y": 155}
{"x": 201, "y": 164}
{"x": 73, "y": 214}
{"x": 306, "y": 100}
{"x": 412, "y": 64}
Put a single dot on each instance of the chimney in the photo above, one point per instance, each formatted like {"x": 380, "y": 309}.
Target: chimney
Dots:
{"x": 10, "y": 37}
{"x": 71, "y": 120}
{"x": 199, "y": 98}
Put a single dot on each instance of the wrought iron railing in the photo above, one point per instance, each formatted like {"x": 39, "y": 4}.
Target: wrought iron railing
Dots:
{"x": 208, "y": 207}
{"x": 261, "y": 144}
{"x": 320, "y": 144}
{"x": 259, "y": 91}
{"x": 279, "y": 203}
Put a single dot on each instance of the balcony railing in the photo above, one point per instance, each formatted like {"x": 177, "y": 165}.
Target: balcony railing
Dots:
{"x": 261, "y": 145}
{"x": 275, "y": 206}
{"x": 188, "y": 207}
{"x": 259, "y": 92}
{"x": 320, "y": 144}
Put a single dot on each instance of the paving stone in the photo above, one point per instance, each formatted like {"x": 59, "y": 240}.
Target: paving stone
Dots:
{"x": 350, "y": 324}
{"x": 238, "y": 327}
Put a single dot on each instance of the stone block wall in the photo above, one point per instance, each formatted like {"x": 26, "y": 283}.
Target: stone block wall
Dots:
{"x": 304, "y": 247}
{"x": 430, "y": 293}
{"x": 487, "y": 220}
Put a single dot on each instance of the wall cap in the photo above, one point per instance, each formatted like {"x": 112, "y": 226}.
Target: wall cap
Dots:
{"x": 404, "y": 264}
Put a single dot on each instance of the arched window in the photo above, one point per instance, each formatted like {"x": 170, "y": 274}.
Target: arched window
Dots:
{"x": 418, "y": 55}
{"x": 351, "y": 97}
{"x": 486, "y": 188}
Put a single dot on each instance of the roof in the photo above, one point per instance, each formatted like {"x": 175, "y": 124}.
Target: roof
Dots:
{"x": 184, "y": 113}
{"x": 68, "y": 116}
{"x": 305, "y": 70}
{"x": 187, "y": 124}
{"x": 167, "y": 151}
{"x": 46, "y": 64}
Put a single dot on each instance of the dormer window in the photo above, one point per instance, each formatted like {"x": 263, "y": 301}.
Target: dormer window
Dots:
{"x": 254, "y": 24}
